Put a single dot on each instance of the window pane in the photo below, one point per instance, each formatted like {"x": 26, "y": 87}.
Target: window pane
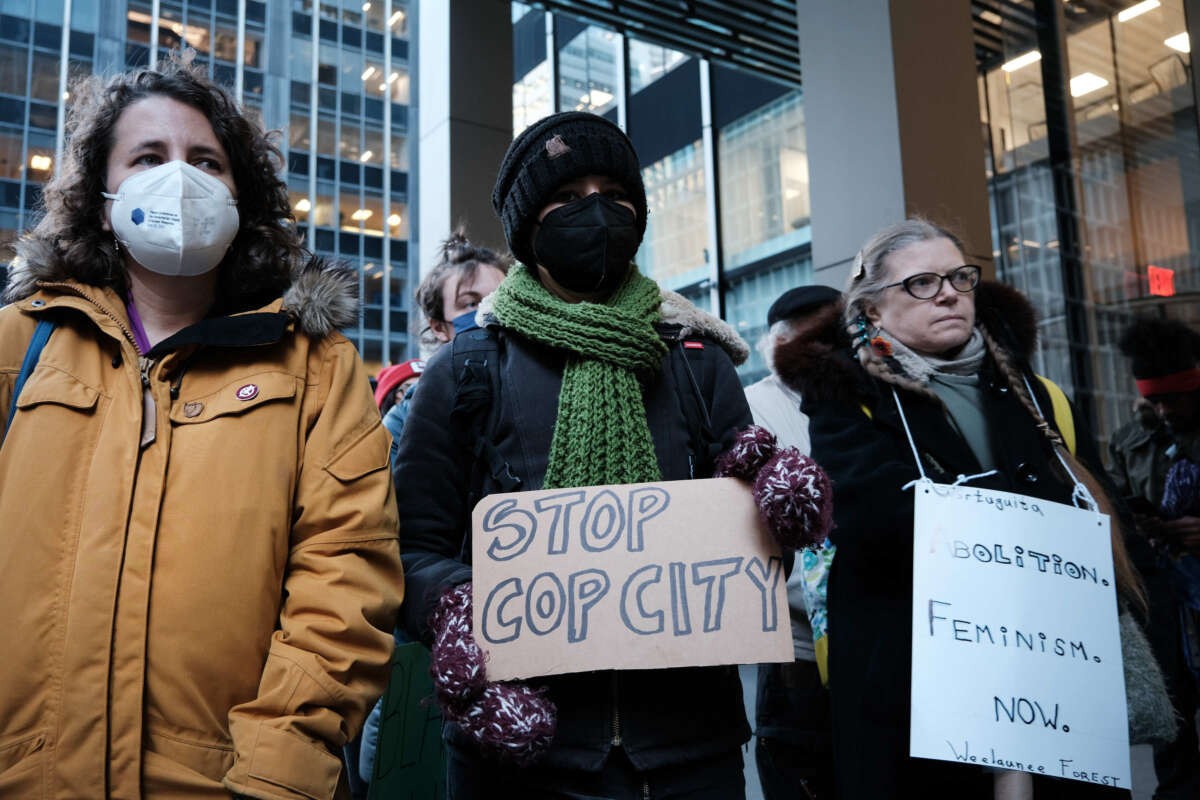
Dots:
{"x": 253, "y": 53}
{"x": 196, "y": 33}
{"x": 137, "y": 26}
{"x": 40, "y": 157}
{"x": 764, "y": 182}
{"x": 300, "y": 60}
{"x": 12, "y": 70}
{"x": 50, "y": 11}
{"x": 322, "y": 212}
{"x": 348, "y": 146}
{"x": 327, "y": 69}
{"x": 351, "y": 214}
{"x": 85, "y": 17}
{"x": 300, "y": 205}
{"x": 532, "y": 97}
{"x": 170, "y": 29}
{"x": 399, "y": 152}
{"x": 673, "y": 252}
{"x": 325, "y": 136}
{"x": 352, "y": 13}
{"x": 373, "y": 15}
{"x": 298, "y": 134}
{"x": 400, "y": 85}
{"x": 372, "y": 283}
{"x": 649, "y": 62}
{"x": 225, "y": 44}
{"x": 372, "y": 147}
{"x": 371, "y": 79}
{"x": 372, "y": 208}
{"x": 398, "y": 22}
{"x": 587, "y": 72}
{"x": 45, "y": 77}
{"x": 8, "y": 235}
{"x": 398, "y": 224}
{"x": 10, "y": 154}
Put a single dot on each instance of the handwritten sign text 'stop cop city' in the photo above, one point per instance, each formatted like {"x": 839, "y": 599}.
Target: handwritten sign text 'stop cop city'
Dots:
{"x": 677, "y": 573}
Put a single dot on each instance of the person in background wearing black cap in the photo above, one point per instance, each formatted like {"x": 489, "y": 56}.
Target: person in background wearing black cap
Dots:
{"x": 1154, "y": 458}
{"x": 774, "y": 404}
{"x": 578, "y": 333}
{"x": 795, "y": 748}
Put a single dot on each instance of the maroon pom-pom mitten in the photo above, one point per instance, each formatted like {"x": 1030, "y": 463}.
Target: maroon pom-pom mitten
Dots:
{"x": 751, "y": 450}
{"x": 512, "y": 721}
{"x": 456, "y": 662}
{"x": 795, "y": 499}
{"x": 509, "y": 720}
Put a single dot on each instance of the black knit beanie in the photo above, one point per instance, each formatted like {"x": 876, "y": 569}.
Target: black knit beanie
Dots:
{"x": 1158, "y": 347}
{"x": 551, "y": 152}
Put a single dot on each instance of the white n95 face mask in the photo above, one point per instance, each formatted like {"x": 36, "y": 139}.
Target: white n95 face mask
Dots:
{"x": 174, "y": 219}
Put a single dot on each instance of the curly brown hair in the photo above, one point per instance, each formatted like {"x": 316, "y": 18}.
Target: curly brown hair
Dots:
{"x": 259, "y": 263}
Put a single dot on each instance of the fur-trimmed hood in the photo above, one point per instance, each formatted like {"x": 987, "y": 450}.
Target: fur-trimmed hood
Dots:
{"x": 322, "y": 295}
{"x": 676, "y": 310}
{"x": 819, "y": 360}
{"x": 694, "y": 321}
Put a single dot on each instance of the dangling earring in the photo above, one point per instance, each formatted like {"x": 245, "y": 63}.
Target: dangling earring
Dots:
{"x": 861, "y": 334}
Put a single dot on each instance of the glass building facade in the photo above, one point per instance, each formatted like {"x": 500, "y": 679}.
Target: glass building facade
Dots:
{"x": 1092, "y": 176}
{"x": 1095, "y": 185}
{"x": 332, "y": 77}
{"x": 723, "y": 159}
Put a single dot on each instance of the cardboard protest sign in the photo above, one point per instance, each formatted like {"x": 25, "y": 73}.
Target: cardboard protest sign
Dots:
{"x": 638, "y": 576}
{"x": 1016, "y": 650}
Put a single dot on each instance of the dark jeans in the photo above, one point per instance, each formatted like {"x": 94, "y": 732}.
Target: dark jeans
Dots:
{"x": 795, "y": 748}
{"x": 470, "y": 776}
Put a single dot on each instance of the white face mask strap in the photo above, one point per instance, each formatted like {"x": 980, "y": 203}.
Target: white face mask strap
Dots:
{"x": 110, "y": 196}
{"x": 1080, "y": 493}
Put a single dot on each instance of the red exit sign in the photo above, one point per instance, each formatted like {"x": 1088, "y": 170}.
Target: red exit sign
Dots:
{"x": 1162, "y": 280}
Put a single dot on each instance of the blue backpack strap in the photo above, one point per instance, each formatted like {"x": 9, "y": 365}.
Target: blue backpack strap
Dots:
{"x": 41, "y": 335}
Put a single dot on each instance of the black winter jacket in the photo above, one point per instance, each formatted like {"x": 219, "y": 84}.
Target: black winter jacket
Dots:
{"x": 868, "y": 458}
{"x": 660, "y": 717}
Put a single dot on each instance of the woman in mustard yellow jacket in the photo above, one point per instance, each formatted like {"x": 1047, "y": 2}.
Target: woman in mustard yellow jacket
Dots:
{"x": 199, "y": 570}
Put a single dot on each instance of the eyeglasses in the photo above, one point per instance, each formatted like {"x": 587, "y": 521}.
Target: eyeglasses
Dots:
{"x": 927, "y": 285}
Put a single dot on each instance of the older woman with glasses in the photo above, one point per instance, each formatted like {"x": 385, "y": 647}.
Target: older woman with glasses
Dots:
{"x": 918, "y": 331}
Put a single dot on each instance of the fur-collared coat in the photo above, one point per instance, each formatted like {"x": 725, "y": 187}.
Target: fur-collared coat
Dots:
{"x": 199, "y": 600}
{"x": 858, "y": 437}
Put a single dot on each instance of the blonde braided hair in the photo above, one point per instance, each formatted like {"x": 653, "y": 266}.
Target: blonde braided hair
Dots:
{"x": 1129, "y": 583}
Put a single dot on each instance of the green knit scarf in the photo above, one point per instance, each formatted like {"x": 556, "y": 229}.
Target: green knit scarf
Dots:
{"x": 601, "y": 435}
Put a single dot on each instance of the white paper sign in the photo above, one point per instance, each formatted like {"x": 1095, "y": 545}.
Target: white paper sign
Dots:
{"x": 1016, "y": 649}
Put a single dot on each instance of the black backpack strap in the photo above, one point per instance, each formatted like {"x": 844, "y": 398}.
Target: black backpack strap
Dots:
{"x": 476, "y": 360}
{"x": 693, "y": 377}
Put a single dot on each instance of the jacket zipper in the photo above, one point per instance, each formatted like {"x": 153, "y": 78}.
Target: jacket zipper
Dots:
{"x": 645, "y": 789}
{"x": 73, "y": 290}
{"x": 616, "y": 721}
{"x": 149, "y": 407}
